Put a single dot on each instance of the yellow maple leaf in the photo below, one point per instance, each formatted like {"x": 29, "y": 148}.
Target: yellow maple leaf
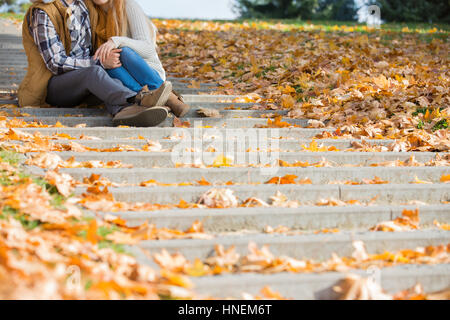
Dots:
{"x": 176, "y": 279}
{"x": 418, "y": 181}
{"x": 199, "y": 269}
{"x": 222, "y": 161}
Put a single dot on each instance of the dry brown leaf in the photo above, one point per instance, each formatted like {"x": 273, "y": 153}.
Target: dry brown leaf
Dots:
{"x": 208, "y": 112}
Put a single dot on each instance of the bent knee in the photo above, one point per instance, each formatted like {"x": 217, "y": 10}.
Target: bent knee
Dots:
{"x": 95, "y": 72}
{"x": 127, "y": 51}
{"x": 95, "y": 69}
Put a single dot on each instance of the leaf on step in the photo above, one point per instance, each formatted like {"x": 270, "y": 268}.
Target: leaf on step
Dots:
{"x": 177, "y": 123}
{"x": 194, "y": 84}
{"x": 209, "y": 113}
{"x": 219, "y": 198}
{"x": 254, "y": 202}
{"x": 176, "y": 279}
{"x": 198, "y": 269}
{"x": 45, "y": 160}
{"x": 203, "y": 182}
{"x": 222, "y": 161}
{"x": 354, "y": 287}
{"x": 408, "y": 221}
{"x": 63, "y": 182}
{"x": 418, "y": 181}
{"x": 280, "y": 200}
{"x": 442, "y": 226}
{"x": 315, "y": 124}
{"x": 287, "y": 179}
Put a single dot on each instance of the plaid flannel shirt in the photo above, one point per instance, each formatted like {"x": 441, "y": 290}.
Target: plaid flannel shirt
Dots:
{"x": 50, "y": 45}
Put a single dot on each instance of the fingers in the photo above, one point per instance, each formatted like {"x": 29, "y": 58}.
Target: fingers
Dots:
{"x": 104, "y": 54}
{"x": 104, "y": 51}
{"x": 101, "y": 54}
{"x": 97, "y": 53}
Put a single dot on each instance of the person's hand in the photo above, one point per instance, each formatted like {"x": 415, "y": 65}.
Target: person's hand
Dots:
{"x": 112, "y": 61}
{"x": 104, "y": 50}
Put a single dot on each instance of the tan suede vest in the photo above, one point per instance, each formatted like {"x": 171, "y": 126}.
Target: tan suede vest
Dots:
{"x": 33, "y": 89}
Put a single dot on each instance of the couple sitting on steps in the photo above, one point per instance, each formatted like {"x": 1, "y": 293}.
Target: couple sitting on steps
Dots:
{"x": 96, "y": 51}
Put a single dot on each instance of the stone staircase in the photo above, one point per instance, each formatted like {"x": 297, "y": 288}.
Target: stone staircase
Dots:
{"x": 239, "y": 226}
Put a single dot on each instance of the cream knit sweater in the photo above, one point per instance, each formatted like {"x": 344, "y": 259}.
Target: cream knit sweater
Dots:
{"x": 141, "y": 37}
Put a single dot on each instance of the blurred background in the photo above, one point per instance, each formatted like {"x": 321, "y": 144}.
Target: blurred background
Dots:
{"x": 427, "y": 11}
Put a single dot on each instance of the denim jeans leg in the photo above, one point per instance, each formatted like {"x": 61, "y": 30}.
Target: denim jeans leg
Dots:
{"x": 139, "y": 69}
{"x": 125, "y": 77}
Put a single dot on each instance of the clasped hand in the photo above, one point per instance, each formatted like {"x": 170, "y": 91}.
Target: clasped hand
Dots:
{"x": 108, "y": 55}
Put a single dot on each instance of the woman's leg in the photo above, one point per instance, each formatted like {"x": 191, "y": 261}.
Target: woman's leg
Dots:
{"x": 139, "y": 69}
{"x": 123, "y": 75}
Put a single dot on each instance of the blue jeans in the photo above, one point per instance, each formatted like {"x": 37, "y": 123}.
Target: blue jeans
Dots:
{"x": 135, "y": 73}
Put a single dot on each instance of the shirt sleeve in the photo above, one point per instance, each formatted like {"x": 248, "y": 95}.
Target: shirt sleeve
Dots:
{"x": 51, "y": 47}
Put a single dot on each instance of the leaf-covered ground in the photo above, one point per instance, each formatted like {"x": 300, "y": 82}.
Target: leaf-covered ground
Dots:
{"x": 388, "y": 84}
{"x": 383, "y": 84}
{"x": 49, "y": 249}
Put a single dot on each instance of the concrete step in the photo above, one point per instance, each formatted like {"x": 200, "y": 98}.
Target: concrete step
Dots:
{"x": 397, "y": 175}
{"x": 11, "y": 45}
{"x": 170, "y": 159}
{"x": 19, "y": 63}
{"x": 105, "y": 121}
{"x": 62, "y": 112}
{"x": 188, "y": 97}
{"x": 14, "y": 85}
{"x": 17, "y": 57}
{"x": 222, "y": 107}
{"x": 5, "y": 38}
{"x": 10, "y": 74}
{"x": 22, "y": 58}
{"x": 11, "y": 50}
{"x": 381, "y": 194}
{"x": 433, "y": 278}
{"x": 161, "y": 133}
{"x": 209, "y": 98}
{"x": 317, "y": 247}
{"x": 57, "y": 112}
{"x": 7, "y": 101}
{"x": 285, "y": 145}
{"x": 305, "y": 218}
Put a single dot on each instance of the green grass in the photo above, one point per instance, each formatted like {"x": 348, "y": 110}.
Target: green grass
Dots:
{"x": 9, "y": 157}
{"x": 14, "y": 16}
{"x": 322, "y": 25}
{"x": 328, "y": 25}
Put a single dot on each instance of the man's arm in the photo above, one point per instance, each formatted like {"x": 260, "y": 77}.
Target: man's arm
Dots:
{"x": 51, "y": 48}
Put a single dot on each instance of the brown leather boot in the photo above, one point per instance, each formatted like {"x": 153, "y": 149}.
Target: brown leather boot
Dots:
{"x": 155, "y": 98}
{"x": 176, "y": 105}
{"x": 137, "y": 116}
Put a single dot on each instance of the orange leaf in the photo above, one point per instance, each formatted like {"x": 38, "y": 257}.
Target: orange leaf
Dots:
{"x": 194, "y": 84}
{"x": 176, "y": 279}
{"x": 92, "y": 236}
{"x": 287, "y": 179}
{"x": 183, "y": 205}
{"x": 411, "y": 215}
{"x": 203, "y": 182}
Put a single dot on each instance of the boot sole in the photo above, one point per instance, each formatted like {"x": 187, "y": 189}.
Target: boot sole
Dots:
{"x": 148, "y": 118}
{"x": 164, "y": 96}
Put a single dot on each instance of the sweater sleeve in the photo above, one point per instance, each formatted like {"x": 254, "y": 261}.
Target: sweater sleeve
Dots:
{"x": 142, "y": 41}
